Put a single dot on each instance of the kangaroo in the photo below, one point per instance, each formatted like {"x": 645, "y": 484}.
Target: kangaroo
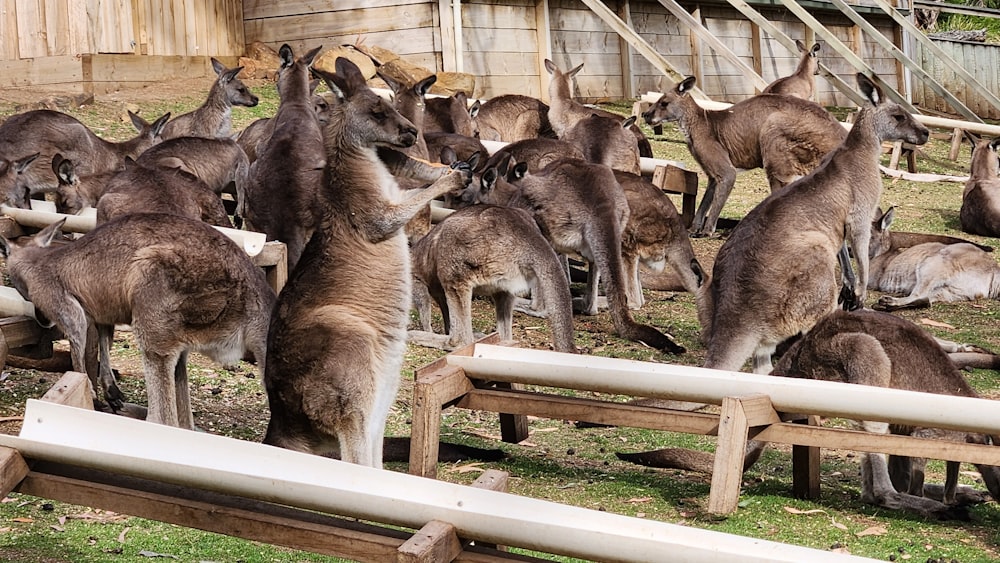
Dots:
{"x": 452, "y": 114}
{"x": 606, "y": 140}
{"x": 513, "y": 117}
{"x": 494, "y": 251}
{"x": 930, "y": 272}
{"x": 463, "y": 147}
{"x": 880, "y": 349}
{"x": 564, "y": 111}
{"x": 283, "y": 184}
{"x": 338, "y": 333}
{"x": 785, "y": 135}
{"x": 775, "y": 276}
{"x": 802, "y": 82}
{"x": 182, "y": 285}
{"x": 153, "y": 190}
{"x": 219, "y": 163}
{"x": 542, "y": 151}
{"x": 654, "y": 236}
{"x": 46, "y": 133}
{"x": 980, "y": 212}
{"x": 252, "y": 137}
{"x": 214, "y": 118}
{"x": 581, "y": 209}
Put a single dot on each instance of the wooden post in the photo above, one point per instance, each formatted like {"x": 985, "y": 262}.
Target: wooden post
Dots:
{"x": 544, "y": 41}
{"x": 696, "y": 63}
{"x": 628, "y": 88}
{"x": 738, "y": 415}
{"x": 13, "y": 469}
{"x": 957, "y": 137}
{"x": 513, "y": 427}
{"x": 805, "y": 466}
{"x": 73, "y": 390}
{"x": 435, "y": 542}
{"x": 679, "y": 181}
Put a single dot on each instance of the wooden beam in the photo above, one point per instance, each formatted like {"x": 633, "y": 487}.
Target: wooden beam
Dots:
{"x": 714, "y": 42}
{"x": 948, "y": 62}
{"x": 727, "y": 471}
{"x": 450, "y": 50}
{"x": 436, "y": 542}
{"x": 628, "y": 86}
{"x": 806, "y": 466}
{"x": 73, "y": 389}
{"x": 13, "y": 469}
{"x": 849, "y": 90}
{"x": 843, "y": 50}
{"x": 913, "y": 67}
{"x": 544, "y": 50}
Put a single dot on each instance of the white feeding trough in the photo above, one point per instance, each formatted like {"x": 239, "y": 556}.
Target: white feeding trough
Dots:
{"x": 13, "y": 305}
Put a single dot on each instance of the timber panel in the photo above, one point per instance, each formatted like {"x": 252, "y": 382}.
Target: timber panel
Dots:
{"x": 978, "y": 58}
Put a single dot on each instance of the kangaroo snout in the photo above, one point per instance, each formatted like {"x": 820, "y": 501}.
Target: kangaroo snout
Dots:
{"x": 407, "y": 136}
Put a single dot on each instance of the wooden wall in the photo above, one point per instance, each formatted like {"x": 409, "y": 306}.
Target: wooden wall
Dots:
{"x": 978, "y": 58}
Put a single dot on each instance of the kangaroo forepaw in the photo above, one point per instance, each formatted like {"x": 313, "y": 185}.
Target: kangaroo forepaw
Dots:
{"x": 848, "y": 299}
{"x": 115, "y": 398}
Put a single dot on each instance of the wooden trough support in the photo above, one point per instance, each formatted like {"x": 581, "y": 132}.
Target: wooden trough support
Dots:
{"x": 308, "y": 502}
{"x": 751, "y": 404}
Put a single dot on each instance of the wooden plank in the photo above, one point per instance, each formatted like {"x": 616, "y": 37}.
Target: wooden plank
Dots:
{"x": 274, "y": 259}
{"x": 450, "y": 50}
{"x": 513, "y": 426}
{"x": 13, "y": 469}
{"x": 20, "y": 331}
{"x": 431, "y": 390}
{"x": 605, "y": 43}
{"x": 496, "y": 85}
{"x": 806, "y": 467}
{"x": 31, "y": 41}
{"x": 727, "y": 471}
{"x": 350, "y": 23}
{"x": 57, "y": 27}
{"x": 483, "y": 62}
{"x": 73, "y": 389}
{"x": 499, "y": 40}
{"x": 9, "y": 49}
{"x": 498, "y": 16}
{"x": 628, "y": 89}
{"x": 493, "y": 480}
{"x": 276, "y": 8}
{"x": 435, "y": 542}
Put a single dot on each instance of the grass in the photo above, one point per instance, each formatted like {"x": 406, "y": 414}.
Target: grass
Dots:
{"x": 558, "y": 461}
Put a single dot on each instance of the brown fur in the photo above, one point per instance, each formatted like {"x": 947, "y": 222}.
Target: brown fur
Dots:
{"x": 513, "y": 117}
{"x": 182, "y": 285}
{"x": 282, "y": 190}
{"x": 775, "y": 276}
{"x": 463, "y": 147}
{"x": 802, "y": 82}
{"x": 607, "y": 141}
{"x": 539, "y": 153}
{"x": 980, "y": 212}
{"x": 565, "y": 112}
{"x": 47, "y": 133}
{"x": 147, "y": 190}
{"x": 220, "y": 163}
{"x": 338, "y": 333}
{"x": 492, "y": 251}
{"x": 214, "y": 117}
{"x": 786, "y": 136}
{"x": 451, "y": 114}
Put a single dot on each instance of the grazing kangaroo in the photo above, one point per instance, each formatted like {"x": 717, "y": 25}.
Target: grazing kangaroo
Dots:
{"x": 785, "y": 135}
{"x": 338, "y": 333}
{"x": 802, "y": 82}
{"x": 154, "y": 190}
{"x": 181, "y": 284}
{"x": 581, "y": 209}
{"x": 606, "y": 140}
{"x": 220, "y": 163}
{"x": 513, "y": 117}
{"x": 494, "y": 251}
{"x": 929, "y": 272}
{"x": 775, "y": 276}
{"x": 283, "y": 186}
{"x": 46, "y": 133}
{"x": 214, "y": 118}
{"x": 654, "y": 236}
{"x": 879, "y": 349}
{"x": 452, "y": 114}
{"x": 565, "y": 112}
{"x": 980, "y": 212}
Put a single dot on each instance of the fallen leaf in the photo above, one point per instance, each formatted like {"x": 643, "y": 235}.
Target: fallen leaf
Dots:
{"x": 873, "y": 531}
{"x": 837, "y": 525}
{"x": 639, "y": 500}
{"x": 567, "y": 486}
{"x": 57, "y": 528}
{"x": 686, "y": 514}
{"x": 841, "y": 550}
{"x": 467, "y": 468}
{"x": 640, "y": 514}
{"x": 792, "y": 510}
{"x": 550, "y": 429}
{"x": 936, "y": 324}
{"x": 121, "y": 536}
{"x": 23, "y": 520}
{"x": 62, "y": 520}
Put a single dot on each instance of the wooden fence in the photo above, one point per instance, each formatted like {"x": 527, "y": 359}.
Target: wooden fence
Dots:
{"x": 980, "y": 59}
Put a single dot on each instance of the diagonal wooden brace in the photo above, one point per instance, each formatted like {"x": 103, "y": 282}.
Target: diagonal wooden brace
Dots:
{"x": 738, "y": 415}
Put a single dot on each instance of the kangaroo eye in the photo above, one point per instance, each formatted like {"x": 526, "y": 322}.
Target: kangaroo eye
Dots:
{"x": 379, "y": 115}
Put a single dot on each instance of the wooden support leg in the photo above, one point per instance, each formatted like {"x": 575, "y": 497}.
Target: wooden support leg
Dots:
{"x": 493, "y": 480}
{"x": 513, "y": 427}
{"x": 956, "y": 143}
{"x": 897, "y": 151}
{"x": 73, "y": 390}
{"x": 435, "y": 542}
{"x": 911, "y": 160}
{"x": 431, "y": 391}
{"x": 738, "y": 415}
{"x": 805, "y": 466}
{"x": 13, "y": 470}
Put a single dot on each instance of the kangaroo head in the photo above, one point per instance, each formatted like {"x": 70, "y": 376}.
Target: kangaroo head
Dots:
{"x": 985, "y": 164}
{"x": 14, "y": 175}
{"x": 881, "y": 241}
{"x": 236, "y": 93}
{"x": 362, "y": 116}
{"x": 21, "y": 253}
{"x": 668, "y": 107}
{"x": 293, "y": 75}
{"x": 409, "y": 98}
{"x": 559, "y": 86}
{"x": 149, "y": 134}
{"x": 892, "y": 122}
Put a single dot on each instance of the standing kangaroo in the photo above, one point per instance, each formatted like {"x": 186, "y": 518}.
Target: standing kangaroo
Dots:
{"x": 281, "y": 197}
{"x": 46, "y": 133}
{"x": 775, "y": 276}
{"x": 929, "y": 272}
{"x": 802, "y": 82}
{"x": 785, "y": 135}
{"x": 181, "y": 284}
{"x": 980, "y": 212}
{"x": 879, "y": 349}
{"x": 214, "y": 118}
{"x": 488, "y": 250}
{"x": 338, "y": 333}
{"x": 565, "y": 112}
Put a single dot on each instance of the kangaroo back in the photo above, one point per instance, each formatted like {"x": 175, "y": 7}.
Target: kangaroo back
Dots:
{"x": 513, "y": 117}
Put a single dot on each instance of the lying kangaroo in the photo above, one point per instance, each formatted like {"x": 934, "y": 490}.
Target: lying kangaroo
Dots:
{"x": 452, "y": 114}
{"x": 283, "y": 184}
{"x": 654, "y": 236}
{"x": 802, "y": 82}
{"x": 980, "y": 212}
{"x": 565, "y": 112}
{"x": 214, "y": 117}
{"x": 513, "y": 117}
{"x": 338, "y": 333}
{"x": 154, "y": 190}
{"x": 775, "y": 276}
{"x": 929, "y": 272}
{"x": 46, "y": 133}
{"x": 493, "y": 251}
{"x": 181, "y": 284}
{"x": 787, "y": 136}
{"x": 879, "y": 349}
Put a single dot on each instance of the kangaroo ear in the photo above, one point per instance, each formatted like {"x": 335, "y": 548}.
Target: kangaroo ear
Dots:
{"x": 218, "y": 67}
{"x": 628, "y": 122}
{"x": 815, "y": 49}
{"x": 336, "y": 84}
{"x": 45, "y": 236}
{"x": 448, "y": 155}
{"x": 474, "y": 109}
{"x": 699, "y": 273}
{"x": 64, "y": 169}
{"x": 995, "y": 143}
{"x": 474, "y": 160}
{"x": 551, "y": 67}
{"x": 519, "y": 171}
{"x": 883, "y": 222}
{"x": 230, "y": 74}
{"x": 686, "y": 85}
{"x": 286, "y": 55}
{"x": 800, "y": 45}
{"x": 488, "y": 180}
{"x": 309, "y": 57}
{"x": 424, "y": 85}
{"x": 22, "y": 164}
{"x": 157, "y": 127}
{"x": 869, "y": 89}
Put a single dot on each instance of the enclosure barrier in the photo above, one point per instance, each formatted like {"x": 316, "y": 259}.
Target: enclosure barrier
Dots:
{"x": 483, "y": 376}
{"x": 84, "y": 448}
